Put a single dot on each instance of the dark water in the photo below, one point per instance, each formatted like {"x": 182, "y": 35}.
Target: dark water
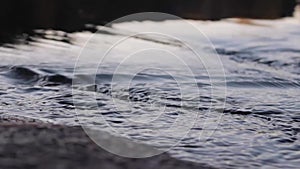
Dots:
{"x": 260, "y": 123}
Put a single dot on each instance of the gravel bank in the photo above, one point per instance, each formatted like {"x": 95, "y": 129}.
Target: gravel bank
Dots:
{"x": 31, "y": 144}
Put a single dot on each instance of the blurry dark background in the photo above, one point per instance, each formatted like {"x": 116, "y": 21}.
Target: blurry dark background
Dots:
{"x": 72, "y": 15}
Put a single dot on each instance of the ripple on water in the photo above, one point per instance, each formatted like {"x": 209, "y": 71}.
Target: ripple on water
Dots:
{"x": 259, "y": 126}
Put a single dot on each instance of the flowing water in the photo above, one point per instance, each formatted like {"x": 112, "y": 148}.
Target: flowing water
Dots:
{"x": 258, "y": 126}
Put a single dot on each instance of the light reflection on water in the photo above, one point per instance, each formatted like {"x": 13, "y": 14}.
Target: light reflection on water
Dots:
{"x": 260, "y": 123}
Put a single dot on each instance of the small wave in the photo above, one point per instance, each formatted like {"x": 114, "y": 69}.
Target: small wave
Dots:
{"x": 263, "y": 84}
{"x": 26, "y": 75}
{"x": 54, "y": 80}
{"x": 238, "y": 111}
{"x": 23, "y": 74}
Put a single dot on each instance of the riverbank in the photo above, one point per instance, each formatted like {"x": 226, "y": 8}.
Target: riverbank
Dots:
{"x": 27, "y": 143}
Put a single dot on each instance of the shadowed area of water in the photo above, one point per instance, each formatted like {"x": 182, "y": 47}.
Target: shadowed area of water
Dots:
{"x": 260, "y": 122}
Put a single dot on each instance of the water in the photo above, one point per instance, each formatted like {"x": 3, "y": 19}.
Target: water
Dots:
{"x": 258, "y": 127}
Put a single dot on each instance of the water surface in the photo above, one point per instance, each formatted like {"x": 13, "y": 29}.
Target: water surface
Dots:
{"x": 258, "y": 127}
